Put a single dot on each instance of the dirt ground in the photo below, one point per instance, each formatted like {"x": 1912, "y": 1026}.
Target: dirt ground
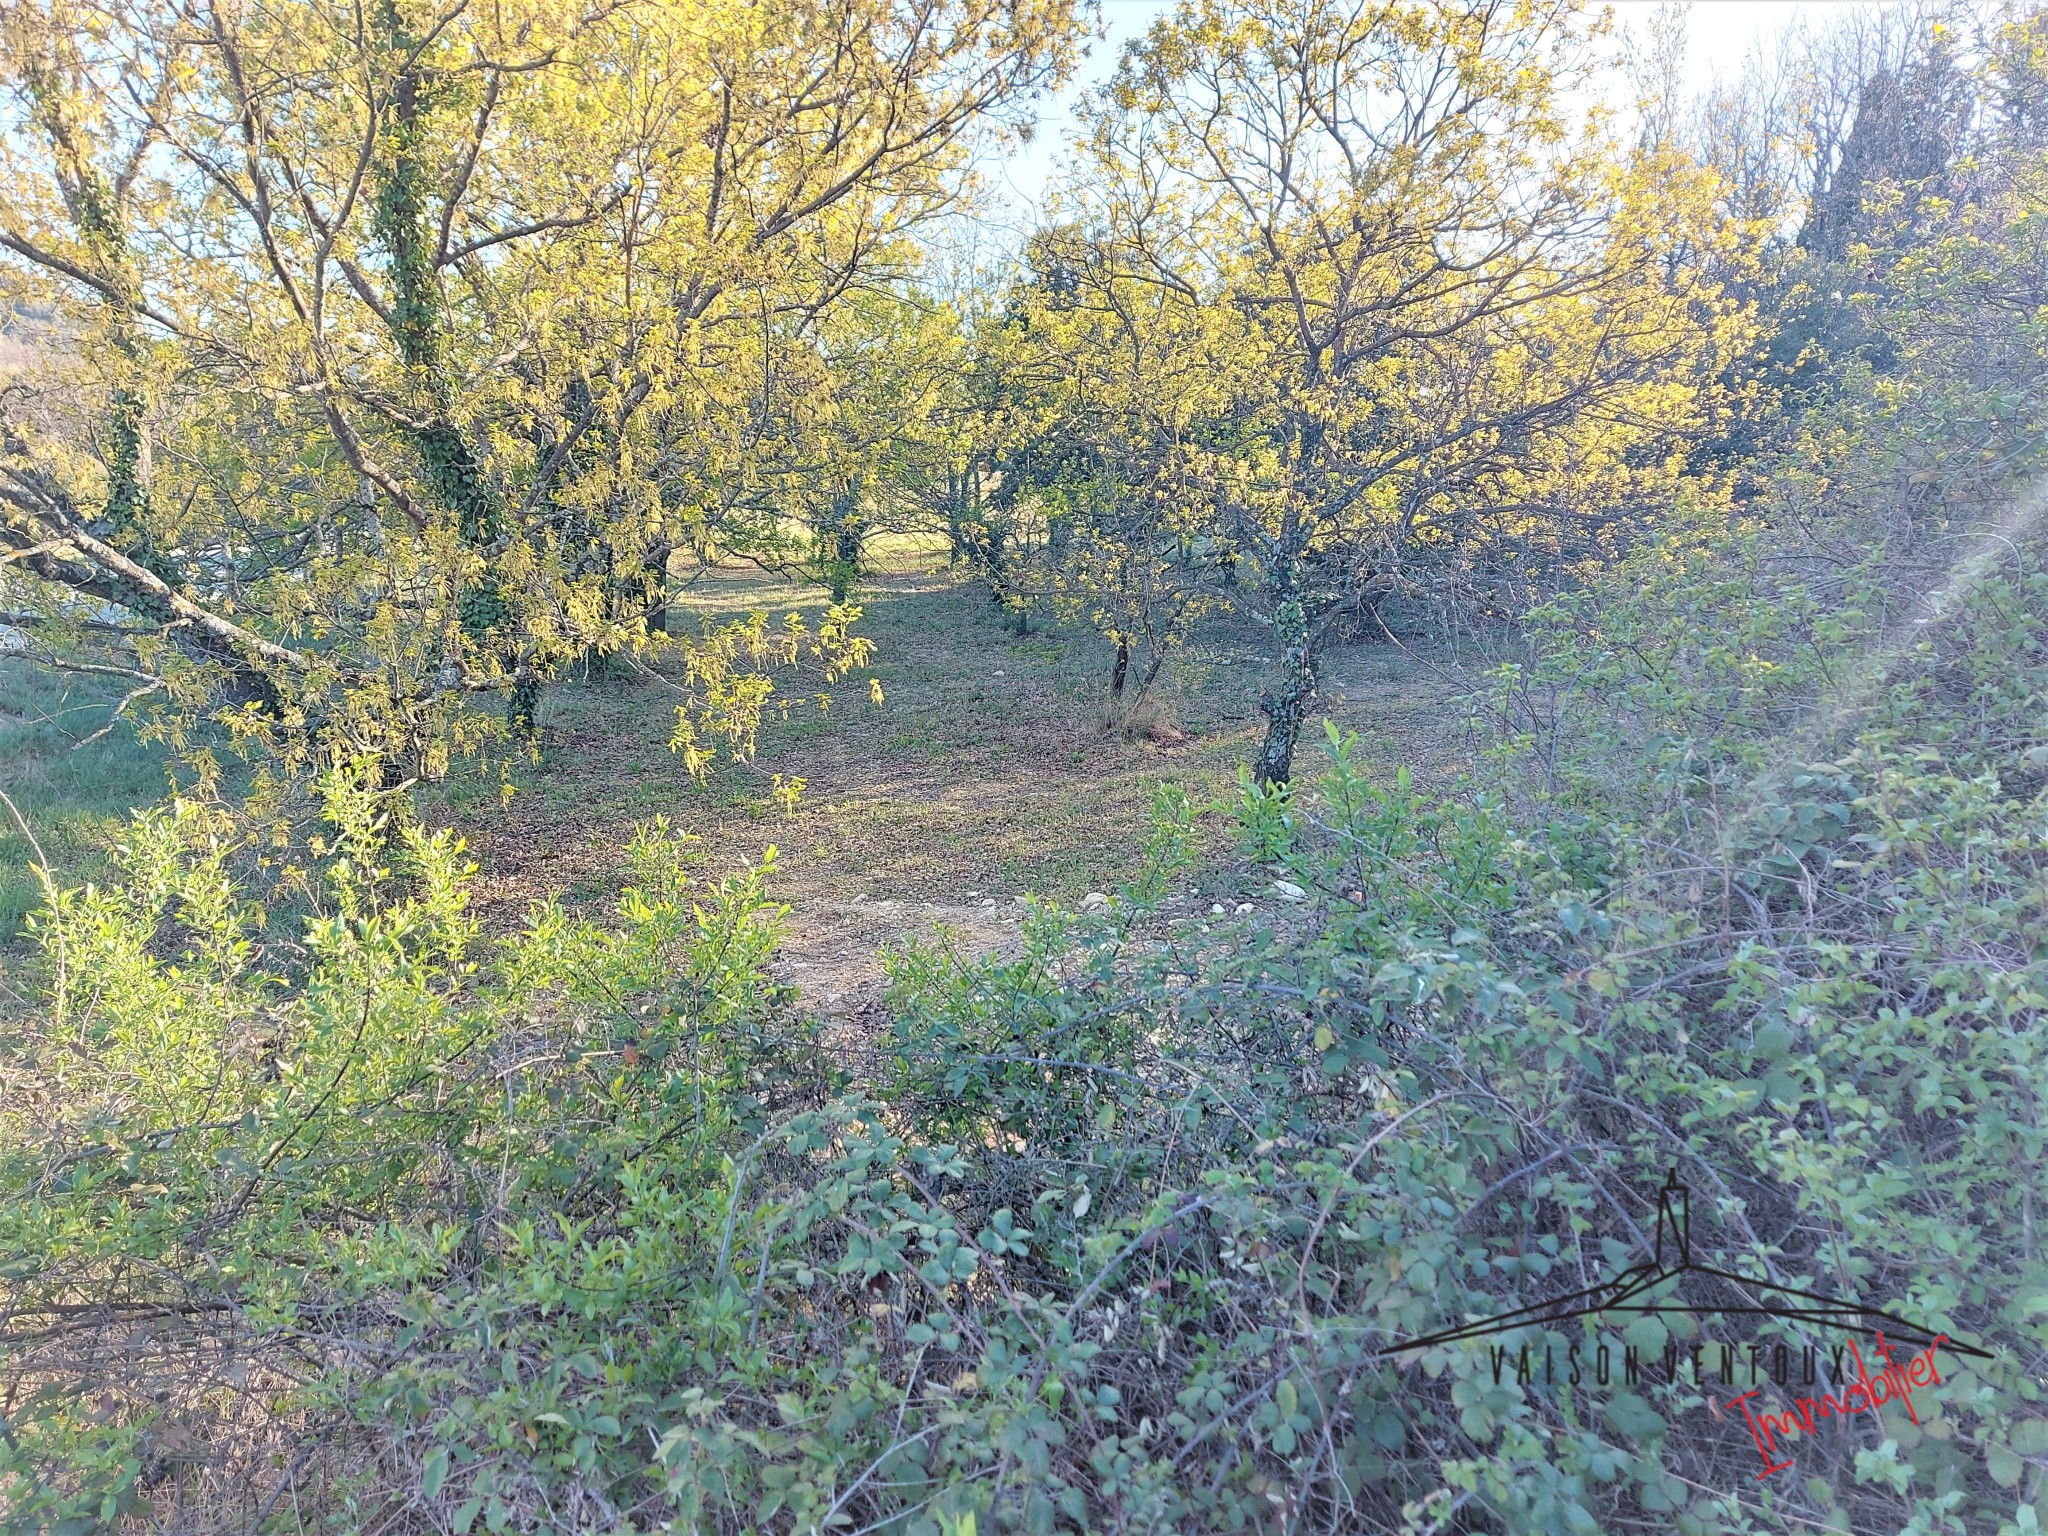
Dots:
{"x": 988, "y": 773}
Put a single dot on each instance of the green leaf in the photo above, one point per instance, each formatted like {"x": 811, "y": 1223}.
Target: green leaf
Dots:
{"x": 2030, "y": 1437}
{"x": 434, "y": 1473}
{"x": 1633, "y": 1417}
{"x": 2005, "y": 1468}
{"x": 1647, "y": 1335}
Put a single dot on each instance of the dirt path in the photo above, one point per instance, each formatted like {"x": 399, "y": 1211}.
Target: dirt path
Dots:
{"x": 987, "y": 773}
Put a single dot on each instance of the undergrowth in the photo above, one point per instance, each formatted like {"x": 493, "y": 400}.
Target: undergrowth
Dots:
{"x": 583, "y": 1230}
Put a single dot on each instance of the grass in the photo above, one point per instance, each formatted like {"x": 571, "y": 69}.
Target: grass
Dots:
{"x": 989, "y": 771}
{"x": 990, "y": 768}
{"x": 76, "y": 798}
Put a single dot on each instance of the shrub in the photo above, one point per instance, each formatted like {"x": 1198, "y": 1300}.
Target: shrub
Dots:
{"x": 582, "y": 1229}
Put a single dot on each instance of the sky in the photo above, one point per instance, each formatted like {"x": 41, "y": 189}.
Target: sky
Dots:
{"x": 1719, "y": 35}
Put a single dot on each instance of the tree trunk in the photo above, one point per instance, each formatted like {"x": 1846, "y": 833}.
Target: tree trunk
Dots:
{"x": 403, "y": 226}
{"x": 956, "y": 518}
{"x": 524, "y": 704}
{"x": 846, "y": 559}
{"x": 1287, "y": 706}
{"x": 1122, "y": 668}
{"x": 841, "y": 530}
{"x": 992, "y": 560}
{"x": 655, "y": 574}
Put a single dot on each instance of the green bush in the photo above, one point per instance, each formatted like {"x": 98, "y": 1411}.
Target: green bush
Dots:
{"x": 574, "y": 1231}
{"x": 304, "y": 1149}
{"x": 319, "y": 1205}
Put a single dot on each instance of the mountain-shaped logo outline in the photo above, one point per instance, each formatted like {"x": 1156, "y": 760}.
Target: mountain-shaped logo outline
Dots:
{"x": 1674, "y": 1230}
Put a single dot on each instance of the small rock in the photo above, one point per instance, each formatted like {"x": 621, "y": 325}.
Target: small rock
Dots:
{"x": 988, "y": 901}
{"x": 1243, "y": 907}
{"x": 1095, "y": 901}
{"x": 1288, "y": 890}
{"x": 970, "y": 895}
{"x": 1216, "y": 910}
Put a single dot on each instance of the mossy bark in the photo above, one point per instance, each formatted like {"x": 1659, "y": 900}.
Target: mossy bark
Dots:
{"x": 454, "y": 473}
{"x": 1287, "y": 704}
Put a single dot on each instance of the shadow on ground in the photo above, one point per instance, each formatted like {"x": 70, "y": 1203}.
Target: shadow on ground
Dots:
{"x": 989, "y": 772}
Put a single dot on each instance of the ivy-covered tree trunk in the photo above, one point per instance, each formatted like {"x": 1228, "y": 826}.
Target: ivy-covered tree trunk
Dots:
{"x": 1287, "y": 704}
{"x": 994, "y": 558}
{"x": 62, "y": 112}
{"x": 127, "y": 509}
{"x": 842, "y": 536}
{"x": 960, "y": 542}
{"x": 97, "y": 217}
{"x": 404, "y": 228}
{"x": 846, "y": 560}
{"x": 654, "y": 585}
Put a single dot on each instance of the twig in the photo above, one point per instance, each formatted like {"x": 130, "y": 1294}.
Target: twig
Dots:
{"x": 120, "y": 709}
{"x": 288, "y": 1480}
{"x": 42, "y": 869}
{"x": 1315, "y": 1232}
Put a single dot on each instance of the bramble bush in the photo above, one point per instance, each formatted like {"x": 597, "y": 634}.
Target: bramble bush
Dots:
{"x": 323, "y": 1207}
{"x": 583, "y": 1230}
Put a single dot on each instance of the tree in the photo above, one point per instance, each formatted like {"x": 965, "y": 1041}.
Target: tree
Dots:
{"x": 1441, "y": 320}
{"x": 1102, "y": 384}
{"x": 1438, "y": 320}
{"x": 395, "y": 326}
{"x": 1815, "y": 129}
{"x": 857, "y": 455}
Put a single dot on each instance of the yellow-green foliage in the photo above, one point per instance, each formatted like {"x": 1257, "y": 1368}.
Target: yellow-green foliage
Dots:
{"x": 729, "y": 679}
{"x": 319, "y": 1204}
{"x": 389, "y": 358}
